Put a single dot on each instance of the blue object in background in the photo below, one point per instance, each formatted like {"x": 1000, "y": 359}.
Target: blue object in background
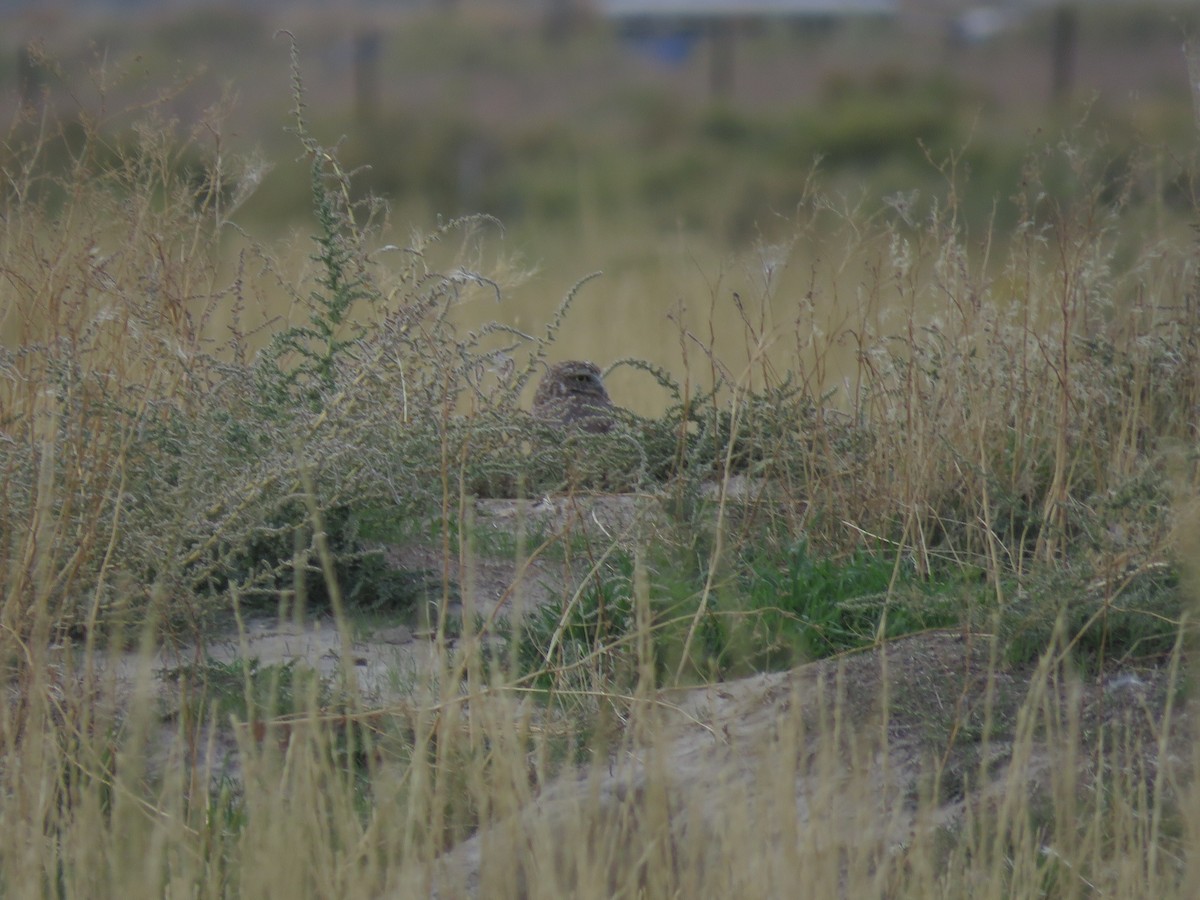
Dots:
{"x": 668, "y": 49}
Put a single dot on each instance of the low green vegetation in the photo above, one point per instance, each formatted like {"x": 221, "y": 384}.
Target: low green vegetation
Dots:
{"x": 775, "y": 611}
{"x": 830, "y": 606}
{"x": 247, "y": 690}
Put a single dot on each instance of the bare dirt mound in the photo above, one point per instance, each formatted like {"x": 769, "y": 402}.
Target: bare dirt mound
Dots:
{"x": 832, "y": 768}
{"x": 846, "y": 758}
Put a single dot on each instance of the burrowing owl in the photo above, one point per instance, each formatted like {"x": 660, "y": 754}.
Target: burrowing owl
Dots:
{"x": 571, "y": 394}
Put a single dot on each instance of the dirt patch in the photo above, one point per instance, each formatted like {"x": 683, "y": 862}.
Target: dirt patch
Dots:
{"x": 911, "y": 736}
{"x": 931, "y": 715}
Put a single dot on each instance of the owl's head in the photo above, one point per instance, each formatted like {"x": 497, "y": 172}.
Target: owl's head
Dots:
{"x": 572, "y": 394}
{"x": 580, "y": 378}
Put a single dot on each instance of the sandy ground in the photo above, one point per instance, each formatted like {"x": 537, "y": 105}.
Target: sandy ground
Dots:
{"x": 740, "y": 745}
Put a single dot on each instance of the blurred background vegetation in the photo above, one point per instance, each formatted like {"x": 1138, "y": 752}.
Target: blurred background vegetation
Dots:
{"x": 678, "y": 157}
